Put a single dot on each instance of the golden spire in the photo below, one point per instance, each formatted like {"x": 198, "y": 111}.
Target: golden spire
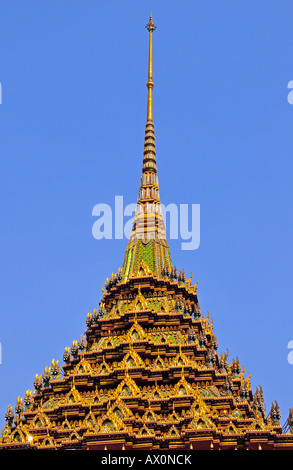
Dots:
{"x": 150, "y": 84}
{"x": 148, "y": 221}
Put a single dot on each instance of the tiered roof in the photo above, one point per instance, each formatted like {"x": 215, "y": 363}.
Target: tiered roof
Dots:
{"x": 146, "y": 374}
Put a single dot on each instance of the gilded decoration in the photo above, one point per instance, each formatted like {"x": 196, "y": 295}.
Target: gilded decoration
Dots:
{"x": 147, "y": 372}
{"x": 127, "y": 387}
{"x": 131, "y": 360}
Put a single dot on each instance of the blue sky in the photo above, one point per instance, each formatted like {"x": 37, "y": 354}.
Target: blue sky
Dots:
{"x": 72, "y": 117}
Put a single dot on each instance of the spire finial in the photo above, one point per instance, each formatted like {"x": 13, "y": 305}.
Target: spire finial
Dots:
{"x": 151, "y": 25}
{"x": 150, "y": 84}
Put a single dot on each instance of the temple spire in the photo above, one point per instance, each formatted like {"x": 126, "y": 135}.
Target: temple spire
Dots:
{"x": 150, "y": 84}
{"x": 148, "y": 245}
{"x": 149, "y": 159}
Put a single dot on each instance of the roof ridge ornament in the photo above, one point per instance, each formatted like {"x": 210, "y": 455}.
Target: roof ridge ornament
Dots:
{"x": 151, "y": 25}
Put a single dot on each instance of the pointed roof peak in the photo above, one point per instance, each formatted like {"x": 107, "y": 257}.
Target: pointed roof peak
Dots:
{"x": 151, "y": 25}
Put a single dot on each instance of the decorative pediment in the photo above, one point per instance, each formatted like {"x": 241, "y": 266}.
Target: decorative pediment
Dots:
{"x": 90, "y": 420}
{"x": 201, "y": 423}
{"x": 40, "y": 420}
{"x": 66, "y": 424}
{"x": 83, "y": 367}
{"x": 183, "y": 387}
{"x": 113, "y": 420}
{"x": 108, "y": 342}
{"x": 181, "y": 359}
{"x": 156, "y": 393}
{"x": 199, "y": 406}
{"x": 6, "y": 432}
{"x": 120, "y": 409}
{"x": 74, "y": 436}
{"x": 139, "y": 304}
{"x": 201, "y": 413}
{"x": 150, "y": 416}
{"x": 19, "y": 435}
{"x": 258, "y": 424}
{"x": 132, "y": 359}
{"x": 73, "y": 396}
{"x": 173, "y": 432}
{"x": 142, "y": 270}
{"x": 173, "y": 417}
{"x": 107, "y": 427}
{"x": 136, "y": 333}
{"x": 145, "y": 431}
{"x": 164, "y": 305}
{"x": 127, "y": 388}
{"x": 48, "y": 442}
{"x": 159, "y": 363}
{"x": 231, "y": 428}
{"x": 104, "y": 367}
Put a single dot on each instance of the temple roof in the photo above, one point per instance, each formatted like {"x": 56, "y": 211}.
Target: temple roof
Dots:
{"x": 146, "y": 373}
